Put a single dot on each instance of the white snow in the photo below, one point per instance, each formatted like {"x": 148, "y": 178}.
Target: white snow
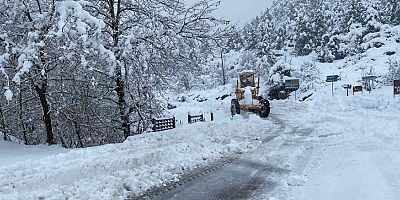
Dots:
{"x": 348, "y": 150}
{"x": 116, "y": 170}
{"x": 8, "y": 94}
{"x": 12, "y": 152}
{"x": 355, "y": 148}
{"x": 333, "y": 146}
{"x": 248, "y": 97}
{"x": 24, "y": 66}
{"x": 351, "y": 151}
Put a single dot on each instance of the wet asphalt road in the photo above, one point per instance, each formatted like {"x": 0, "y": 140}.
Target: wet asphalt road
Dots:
{"x": 237, "y": 180}
{"x": 241, "y": 178}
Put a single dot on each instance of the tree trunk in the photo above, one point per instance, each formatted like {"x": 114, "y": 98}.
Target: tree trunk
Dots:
{"x": 46, "y": 112}
{"x": 63, "y": 142}
{"x": 3, "y": 123}
{"x": 124, "y": 115}
{"x": 223, "y": 68}
{"x": 78, "y": 134}
{"x": 119, "y": 81}
{"x": 21, "y": 117}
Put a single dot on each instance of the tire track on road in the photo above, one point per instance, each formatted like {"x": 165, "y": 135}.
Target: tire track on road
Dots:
{"x": 225, "y": 167}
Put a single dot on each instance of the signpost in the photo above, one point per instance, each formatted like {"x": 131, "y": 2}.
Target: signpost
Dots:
{"x": 396, "y": 87}
{"x": 347, "y": 87}
{"x": 292, "y": 85}
{"x": 332, "y": 79}
{"x": 357, "y": 88}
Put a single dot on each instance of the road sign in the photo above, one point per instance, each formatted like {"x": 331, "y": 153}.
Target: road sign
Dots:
{"x": 369, "y": 77}
{"x": 357, "y": 88}
{"x": 332, "y": 78}
{"x": 292, "y": 84}
{"x": 396, "y": 87}
{"x": 347, "y": 87}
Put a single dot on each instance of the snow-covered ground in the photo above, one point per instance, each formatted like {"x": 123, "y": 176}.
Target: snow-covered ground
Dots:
{"x": 11, "y": 153}
{"x": 114, "y": 171}
{"x": 353, "y": 150}
{"x": 339, "y": 147}
{"x": 348, "y": 151}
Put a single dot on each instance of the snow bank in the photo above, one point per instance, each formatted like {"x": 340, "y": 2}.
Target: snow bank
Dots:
{"x": 354, "y": 147}
{"x": 141, "y": 162}
{"x": 12, "y": 152}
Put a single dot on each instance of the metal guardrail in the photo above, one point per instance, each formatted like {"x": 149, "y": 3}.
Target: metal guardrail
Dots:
{"x": 163, "y": 124}
{"x": 195, "y": 118}
{"x": 170, "y": 123}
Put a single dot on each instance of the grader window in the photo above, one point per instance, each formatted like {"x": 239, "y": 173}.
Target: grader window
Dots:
{"x": 247, "y": 80}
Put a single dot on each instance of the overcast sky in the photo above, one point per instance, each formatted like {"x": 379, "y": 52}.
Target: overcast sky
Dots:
{"x": 240, "y": 11}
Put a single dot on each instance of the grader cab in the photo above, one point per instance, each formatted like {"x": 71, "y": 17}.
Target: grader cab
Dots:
{"x": 248, "y": 96}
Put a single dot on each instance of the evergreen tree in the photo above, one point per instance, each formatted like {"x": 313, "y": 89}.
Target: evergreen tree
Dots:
{"x": 392, "y": 11}
{"x": 331, "y": 28}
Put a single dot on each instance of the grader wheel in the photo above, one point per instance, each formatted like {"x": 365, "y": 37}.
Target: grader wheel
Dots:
{"x": 235, "y": 107}
{"x": 265, "y": 108}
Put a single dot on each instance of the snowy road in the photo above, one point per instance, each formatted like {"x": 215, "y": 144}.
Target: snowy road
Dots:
{"x": 235, "y": 180}
{"x": 354, "y": 151}
{"x": 251, "y": 175}
{"x": 360, "y": 163}
{"x": 339, "y": 148}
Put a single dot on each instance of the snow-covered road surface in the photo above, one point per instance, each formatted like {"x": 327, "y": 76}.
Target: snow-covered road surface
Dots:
{"x": 237, "y": 179}
{"x": 354, "y": 150}
{"x": 117, "y": 170}
{"x": 330, "y": 148}
{"x": 362, "y": 164}
{"x": 252, "y": 175}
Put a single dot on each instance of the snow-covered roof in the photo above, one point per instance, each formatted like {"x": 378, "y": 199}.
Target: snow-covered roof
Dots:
{"x": 289, "y": 78}
{"x": 247, "y": 71}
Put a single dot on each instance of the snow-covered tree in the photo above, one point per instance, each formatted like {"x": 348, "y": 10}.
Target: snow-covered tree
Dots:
{"x": 394, "y": 71}
{"x": 88, "y": 72}
{"x": 392, "y": 11}
{"x": 151, "y": 40}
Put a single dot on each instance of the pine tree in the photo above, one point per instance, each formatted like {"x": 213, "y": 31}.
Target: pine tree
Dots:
{"x": 355, "y": 14}
{"x": 392, "y": 10}
{"x": 311, "y": 26}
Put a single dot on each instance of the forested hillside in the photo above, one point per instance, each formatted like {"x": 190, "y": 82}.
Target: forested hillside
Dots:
{"x": 333, "y": 29}
{"x": 322, "y": 31}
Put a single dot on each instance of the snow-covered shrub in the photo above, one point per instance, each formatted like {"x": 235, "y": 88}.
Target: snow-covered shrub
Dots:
{"x": 325, "y": 54}
{"x": 333, "y": 48}
{"x": 280, "y": 69}
{"x": 235, "y": 62}
{"x": 250, "y": 60}
{"x": 309, "y": 76}
{"x": 394, "y": 71}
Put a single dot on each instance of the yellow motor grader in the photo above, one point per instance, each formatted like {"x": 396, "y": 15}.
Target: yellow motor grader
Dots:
{"x": 248, "y": 83}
